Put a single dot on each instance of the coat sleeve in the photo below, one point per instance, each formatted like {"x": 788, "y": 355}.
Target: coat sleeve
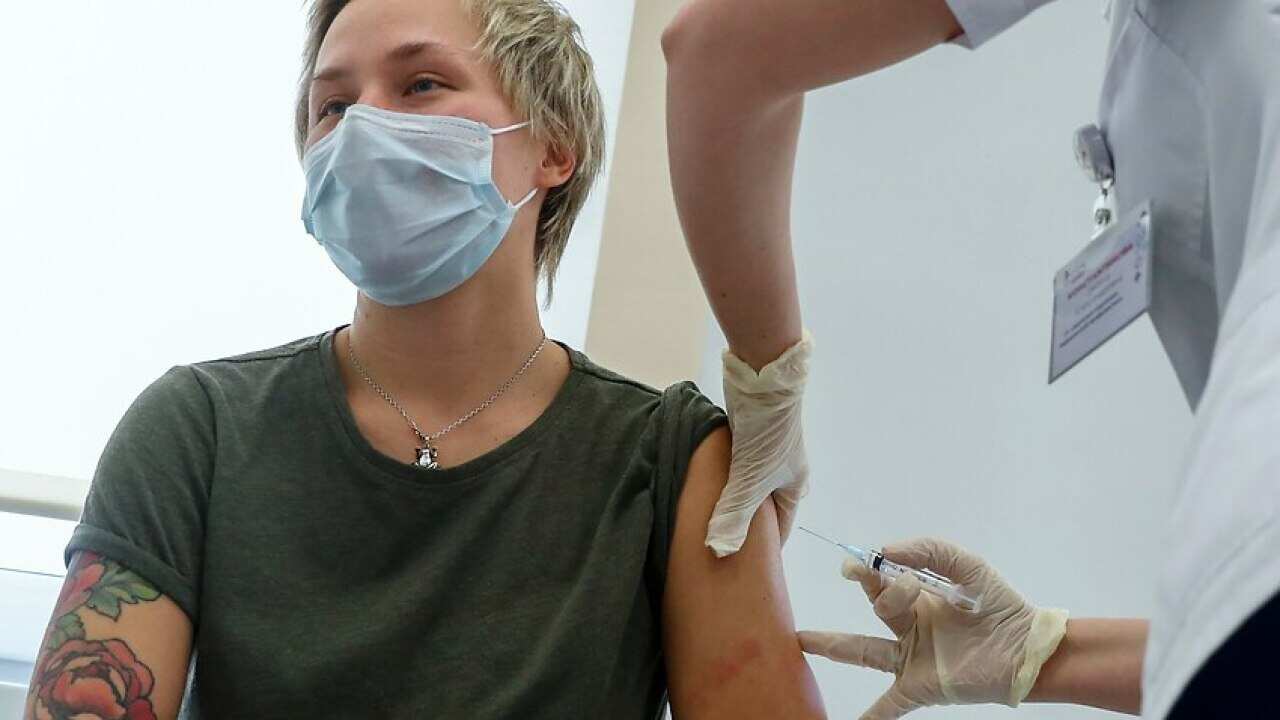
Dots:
{"x": 984, "y": 19}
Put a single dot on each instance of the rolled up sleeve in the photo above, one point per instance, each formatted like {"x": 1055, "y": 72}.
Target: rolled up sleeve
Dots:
{"x": 146, "y": 507}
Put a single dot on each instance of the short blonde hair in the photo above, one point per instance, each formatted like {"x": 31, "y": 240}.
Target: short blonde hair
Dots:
{"x": 543, "y": 68}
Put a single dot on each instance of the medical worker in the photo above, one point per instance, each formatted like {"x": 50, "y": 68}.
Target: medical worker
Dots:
{"x": 1186, "y": 149}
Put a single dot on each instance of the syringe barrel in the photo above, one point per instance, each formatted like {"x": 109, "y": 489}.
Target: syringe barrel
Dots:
{"x": 930, "y": 582}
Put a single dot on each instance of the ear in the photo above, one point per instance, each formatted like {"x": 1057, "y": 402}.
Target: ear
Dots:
{"x": 557, "y": 167}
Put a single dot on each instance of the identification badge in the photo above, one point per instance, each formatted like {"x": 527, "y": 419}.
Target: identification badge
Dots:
{"x": 1101, "y": 291}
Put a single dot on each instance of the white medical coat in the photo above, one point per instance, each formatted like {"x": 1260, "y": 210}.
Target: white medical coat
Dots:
{"x": 1191, "y": 109}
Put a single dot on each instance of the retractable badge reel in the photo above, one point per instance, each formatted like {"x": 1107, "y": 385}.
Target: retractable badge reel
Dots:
{"x": 1108, "y": 285}
{"x": 1095, "y": 159}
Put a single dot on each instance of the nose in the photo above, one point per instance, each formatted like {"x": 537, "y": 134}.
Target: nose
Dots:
{"x": 378, "y": 99}
{"x": 375, "y": 97}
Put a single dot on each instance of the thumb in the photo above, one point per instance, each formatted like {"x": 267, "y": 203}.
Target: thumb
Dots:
{"x": 891, "y": 705}
{"x": 939, "y": 556}
{"x": 861, "y": 650}
{"x": 731, "y": 520}
{"x": 870, "y": 580}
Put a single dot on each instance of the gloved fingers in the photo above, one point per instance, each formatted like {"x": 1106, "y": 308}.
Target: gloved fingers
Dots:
{"x": 896, "y": 606}
{"x": 728, "y": 528}
{"x": 891, "y": 705}
{"x": 868, "y": 652}
{"x": 768, "y": 445}
{"x": 870, "y": 580}
{"x": 940, "y": 556}
{"x": 746, "y": 491}
{"x": 768, "y": 438}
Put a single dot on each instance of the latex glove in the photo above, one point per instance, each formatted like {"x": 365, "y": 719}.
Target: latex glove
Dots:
{"x": 768, "y": 445}
{"x": 944, "y": 656}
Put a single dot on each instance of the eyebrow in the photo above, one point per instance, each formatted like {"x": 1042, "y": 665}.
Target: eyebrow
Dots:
{"x": 404, "y": 52}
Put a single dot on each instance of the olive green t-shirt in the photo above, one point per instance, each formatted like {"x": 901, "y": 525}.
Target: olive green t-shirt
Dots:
{"x": 326, "y": 579}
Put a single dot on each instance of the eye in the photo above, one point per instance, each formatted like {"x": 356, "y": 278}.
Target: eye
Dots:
{"x": 330, "y": 106}
{"x": 423, "y": 85}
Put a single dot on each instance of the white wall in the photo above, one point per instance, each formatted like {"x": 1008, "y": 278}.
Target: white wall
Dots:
{"x": 933, "y": 204}
{"x": 606, "y": 26}
{"x": 150, "y": 198}
{"x": 34, "y": 547}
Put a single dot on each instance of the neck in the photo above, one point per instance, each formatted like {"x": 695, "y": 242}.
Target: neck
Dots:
{"x": 447, "y": 353}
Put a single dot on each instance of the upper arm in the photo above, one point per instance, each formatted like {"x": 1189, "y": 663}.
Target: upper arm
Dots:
{"x": 729, "y": 638}
{"x": 762, "y": 48}
{"x": 115, "y": 647}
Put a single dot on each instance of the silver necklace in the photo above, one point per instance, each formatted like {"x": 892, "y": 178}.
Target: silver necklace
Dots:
{"x": 428, "y": 454}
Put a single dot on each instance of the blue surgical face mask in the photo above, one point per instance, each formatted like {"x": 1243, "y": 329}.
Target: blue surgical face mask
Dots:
{"x": 405, "y": 204}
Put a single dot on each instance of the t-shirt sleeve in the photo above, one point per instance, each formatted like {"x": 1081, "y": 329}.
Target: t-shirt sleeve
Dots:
{"x": 685, "y": 418}
{"x": 147, "y": 503}
{"x": 985, "y": 19}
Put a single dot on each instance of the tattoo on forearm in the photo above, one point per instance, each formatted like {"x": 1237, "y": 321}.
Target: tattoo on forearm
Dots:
{"x": 92, "y": 679}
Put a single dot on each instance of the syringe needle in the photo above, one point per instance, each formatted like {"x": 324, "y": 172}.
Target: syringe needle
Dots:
{"x": 820, "y": 537}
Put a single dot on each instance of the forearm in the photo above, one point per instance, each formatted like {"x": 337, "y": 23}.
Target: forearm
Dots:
{"x": 732, "y": 182}
{"x": 732, "y": 163}
{"x": 738, "y": 71}
{"x": 1098, "y": 663}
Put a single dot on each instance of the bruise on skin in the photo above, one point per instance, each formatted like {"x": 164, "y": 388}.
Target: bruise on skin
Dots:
{"x": 725, "y": 669}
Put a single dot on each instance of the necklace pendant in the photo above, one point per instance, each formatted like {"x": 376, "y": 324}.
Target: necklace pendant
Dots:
{"x": 427, "y": 457}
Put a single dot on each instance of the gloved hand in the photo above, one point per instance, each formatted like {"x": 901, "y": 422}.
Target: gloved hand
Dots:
{"x": 768, "y": 445}
{"x": 944, "y": 656}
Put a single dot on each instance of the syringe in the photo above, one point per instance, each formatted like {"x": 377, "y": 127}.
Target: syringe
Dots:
{"x": 930, "y": 581}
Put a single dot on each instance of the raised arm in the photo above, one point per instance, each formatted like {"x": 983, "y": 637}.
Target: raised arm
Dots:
{"x": 728, "y": 633}
{"x": 738, "y": 70}
{"x": 115, "y": 648}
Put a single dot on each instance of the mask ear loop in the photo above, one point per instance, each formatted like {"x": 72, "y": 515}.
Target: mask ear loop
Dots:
{"x": 512, "y": 128}
{"x": 526, "y": 199}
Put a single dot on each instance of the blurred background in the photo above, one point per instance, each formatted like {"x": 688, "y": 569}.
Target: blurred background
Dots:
{"x": 151, "y": 201}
